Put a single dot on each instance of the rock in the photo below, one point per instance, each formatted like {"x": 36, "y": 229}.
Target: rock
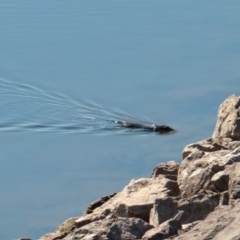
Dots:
{"x": 234, "y": 145}
{"x": 135, "y": 200}
{"x": 234, "y": 182}
{"x": 220, "y": 180}
{"x": 195, "y": 208}
{"x": 113, "y": 229}
{"x": 25, "y": 238}
{"x": 228, "y": 119}
{"x": 163, "y": 209}
{"x": 62, "y": 230}
{"x": 92, "y": 237}
{"x": 168, "y": 169}
{"x": 189, "y": 226}
{"x": 196, "y": 175}
{"x": 98, "y": 203}
{"x": 223, "y": 223}
{"x": 53, "y": 236}
{"x": 83, "y": 220}
{"x": 224, "y": 198}
{"x": 197, "y": 150}
{"x": 67, "y": 226}
{"x": 86, "y": 219}
{"x": 202, "y": 186}
{"x": 165, "y": 230}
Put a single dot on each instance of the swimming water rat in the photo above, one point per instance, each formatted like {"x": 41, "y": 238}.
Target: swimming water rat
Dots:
{"x": 162, "y": 129}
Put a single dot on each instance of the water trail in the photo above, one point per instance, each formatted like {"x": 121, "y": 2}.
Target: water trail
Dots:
{"x": 25, "y": 107}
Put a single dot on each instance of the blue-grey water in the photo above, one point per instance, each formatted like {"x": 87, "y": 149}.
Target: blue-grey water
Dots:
{"x": 61, "y": 62}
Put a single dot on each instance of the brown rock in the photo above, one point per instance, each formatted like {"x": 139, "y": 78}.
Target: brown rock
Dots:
{"x": 83, "y": 220}
{"x": 135, "y": 200}
{"x": 228, "y": 120}
{"x": 168, "y": 169}
{"x": 197, "y": 150}
{"x": 67, "y": 226}
{"x": 197, "y": 207}
{"x": 195, "y": 176}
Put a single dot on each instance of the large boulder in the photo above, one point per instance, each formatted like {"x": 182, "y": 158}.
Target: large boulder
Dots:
{"x": 194, "y": 208}
{"x": 166, "y": 229}
{"x": 135, "y": 200}
{"x": 223, "y": 223}
{"x": 168, "y": 170}
{"x": 112, "y": 229}
{"x": 197, "y": 176}
{"x": 228, "y": 119}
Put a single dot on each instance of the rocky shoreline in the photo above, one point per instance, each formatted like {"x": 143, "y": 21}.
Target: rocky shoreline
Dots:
{"x": 196, "y": 199}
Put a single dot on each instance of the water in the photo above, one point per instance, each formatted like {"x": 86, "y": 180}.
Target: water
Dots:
{"x": 166, "y": 62}
{"x": 27, "y": 108}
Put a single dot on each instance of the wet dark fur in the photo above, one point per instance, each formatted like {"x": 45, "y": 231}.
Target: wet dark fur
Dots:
{"x": 162, "y": 129}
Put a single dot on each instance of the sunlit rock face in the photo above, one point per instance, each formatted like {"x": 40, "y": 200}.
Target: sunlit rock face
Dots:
{"x": 228, "y": 119}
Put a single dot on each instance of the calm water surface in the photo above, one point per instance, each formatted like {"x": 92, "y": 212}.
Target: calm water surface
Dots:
{"x": 167, "y": 62}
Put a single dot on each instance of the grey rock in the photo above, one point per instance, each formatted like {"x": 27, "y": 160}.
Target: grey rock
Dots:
{"x": 195, "y": 208}
{"x": 98, "y": 203}
{"x": 223, "y": 223}
{"x": 220, "y": 180}
{"x": 113, "y": 229}
{"x": 165, "y": 230}
{"x": 163, "y": 209}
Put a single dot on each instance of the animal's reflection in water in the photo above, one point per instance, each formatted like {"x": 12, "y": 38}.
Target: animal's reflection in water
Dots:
{"x": 26, "y": 107}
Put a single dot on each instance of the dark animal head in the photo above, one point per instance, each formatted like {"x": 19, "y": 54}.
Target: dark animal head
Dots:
{"x": 163, "y": 129}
